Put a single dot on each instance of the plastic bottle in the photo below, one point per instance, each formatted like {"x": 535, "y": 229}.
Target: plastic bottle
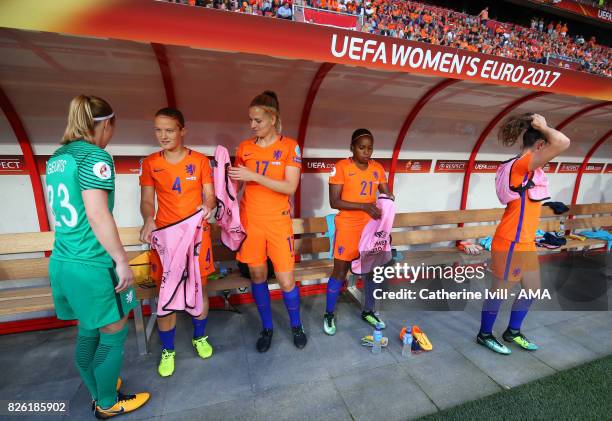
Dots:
{"x": 377, "y": 336}
{"x": 222, "y": 270}
{"x": 407, "y": 342}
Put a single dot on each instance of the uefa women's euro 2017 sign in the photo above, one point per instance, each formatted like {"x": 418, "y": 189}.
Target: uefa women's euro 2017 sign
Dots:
{"x": 216, "y": 30}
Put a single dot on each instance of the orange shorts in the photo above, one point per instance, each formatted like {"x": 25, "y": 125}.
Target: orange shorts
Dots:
{"x": 511, "y": 267}
{"x": 206, "y": 259}
{"x": 268, "y": 237}
{"x": 347, "y": 237}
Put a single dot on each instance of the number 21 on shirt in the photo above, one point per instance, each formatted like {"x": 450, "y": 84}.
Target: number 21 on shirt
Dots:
{"x": 364, "y": 187}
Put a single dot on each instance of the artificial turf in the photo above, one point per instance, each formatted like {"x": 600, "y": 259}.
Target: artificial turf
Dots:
{"x": 580, "y": 393}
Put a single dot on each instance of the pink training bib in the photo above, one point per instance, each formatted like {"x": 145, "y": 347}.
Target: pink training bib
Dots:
{"x": 536, "y": 186}
{"x": 375, "y": 242}
{"x": 228, "y": 208}
{"x": 178, "y": 246}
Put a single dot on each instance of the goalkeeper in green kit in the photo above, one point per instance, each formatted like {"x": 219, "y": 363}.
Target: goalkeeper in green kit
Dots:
{"x": 91, "y": 279}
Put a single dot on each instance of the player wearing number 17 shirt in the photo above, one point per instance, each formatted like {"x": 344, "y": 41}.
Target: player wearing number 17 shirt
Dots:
{"x": 91, "y": 279}
{"x": 268, "y": 167}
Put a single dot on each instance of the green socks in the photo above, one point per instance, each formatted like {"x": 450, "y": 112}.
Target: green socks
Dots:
{"x": 107, "y": 365}
{"x": 86, "y": 345}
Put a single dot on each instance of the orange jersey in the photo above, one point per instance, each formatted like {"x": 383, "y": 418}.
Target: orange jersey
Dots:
{"x": 270, "y": 161}
{"x": 178, "y": 186}
{"x": 518, "y": 216}
{"x": 358, "y": 186}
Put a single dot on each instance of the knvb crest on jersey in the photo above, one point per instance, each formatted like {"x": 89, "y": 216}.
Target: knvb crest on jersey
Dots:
{"x": 190, "y": 168}
{"x": 375, "y": 173}
{"x": 380, "y": 234}
{"x": 277, "y": 154}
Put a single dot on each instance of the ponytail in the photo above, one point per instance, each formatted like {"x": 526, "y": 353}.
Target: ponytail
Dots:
{"x": 83, "y": 114}
{"x": 513, "y": 126}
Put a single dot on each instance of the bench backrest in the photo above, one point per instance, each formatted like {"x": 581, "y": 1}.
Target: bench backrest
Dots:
{"x": 484, "y": 222}
{"x": 309, "y": 230}
{"x": 410, "y": 229}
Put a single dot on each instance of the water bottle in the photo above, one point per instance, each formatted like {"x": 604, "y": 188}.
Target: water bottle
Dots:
{"x": 377, "y": 346}
{"x": 407, "y": 342}
{"x": 221, "y": 269}
{"x": 561, "y": 232}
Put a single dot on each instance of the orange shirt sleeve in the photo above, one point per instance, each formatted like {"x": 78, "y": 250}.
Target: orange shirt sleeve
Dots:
{"x": 207, "y": 177}
{"x": 337, "y": 174}
{"x": 145, "y": 174}
{"x": 294, "y": 157}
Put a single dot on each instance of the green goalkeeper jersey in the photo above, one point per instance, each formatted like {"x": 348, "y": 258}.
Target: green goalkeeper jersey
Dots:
{"x": 73, "y": 168}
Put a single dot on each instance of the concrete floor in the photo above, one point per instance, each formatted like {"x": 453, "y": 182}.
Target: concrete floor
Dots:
{"x": 333, "y": 378}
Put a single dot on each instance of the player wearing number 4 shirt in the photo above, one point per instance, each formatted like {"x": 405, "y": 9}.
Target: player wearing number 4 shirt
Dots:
{"x": 91, "y": 279}
{"x": 182, "y": 181}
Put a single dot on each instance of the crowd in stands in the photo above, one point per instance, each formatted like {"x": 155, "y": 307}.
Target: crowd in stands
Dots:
{"x": 435, "y": 25}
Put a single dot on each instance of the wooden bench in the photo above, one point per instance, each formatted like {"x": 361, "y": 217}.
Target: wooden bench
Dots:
{"x": 410, "y": 229}
{"x": 21, "y": 300}
{"x": 484, "y": 222}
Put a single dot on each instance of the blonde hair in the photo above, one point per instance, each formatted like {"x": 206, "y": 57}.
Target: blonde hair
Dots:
{"x": 82, "y": 115}
{"x": 268, "y": 101}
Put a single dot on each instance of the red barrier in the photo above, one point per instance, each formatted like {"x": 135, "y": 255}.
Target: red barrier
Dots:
{"x": 562, "y": 62}
{"x": 579, "y": 9}
{"x": 46, "y": 323}
{"x": 324, "y": 17}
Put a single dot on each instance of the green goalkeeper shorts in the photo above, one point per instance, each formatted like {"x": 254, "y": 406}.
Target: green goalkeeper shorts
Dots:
{"x": 87, "y": 293}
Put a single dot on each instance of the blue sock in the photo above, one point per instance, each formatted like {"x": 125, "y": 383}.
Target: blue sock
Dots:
{"x": 368, "y": 290}
{"x": 519, "y": 311}
{"x": 334, "y": 287}
{"x": 199, "y": 326}
{"x": 490, "y": 308}
{"x": 292, "y": 302}
{"x": 167, "y": 338}
{"x": 261, "y": 294}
